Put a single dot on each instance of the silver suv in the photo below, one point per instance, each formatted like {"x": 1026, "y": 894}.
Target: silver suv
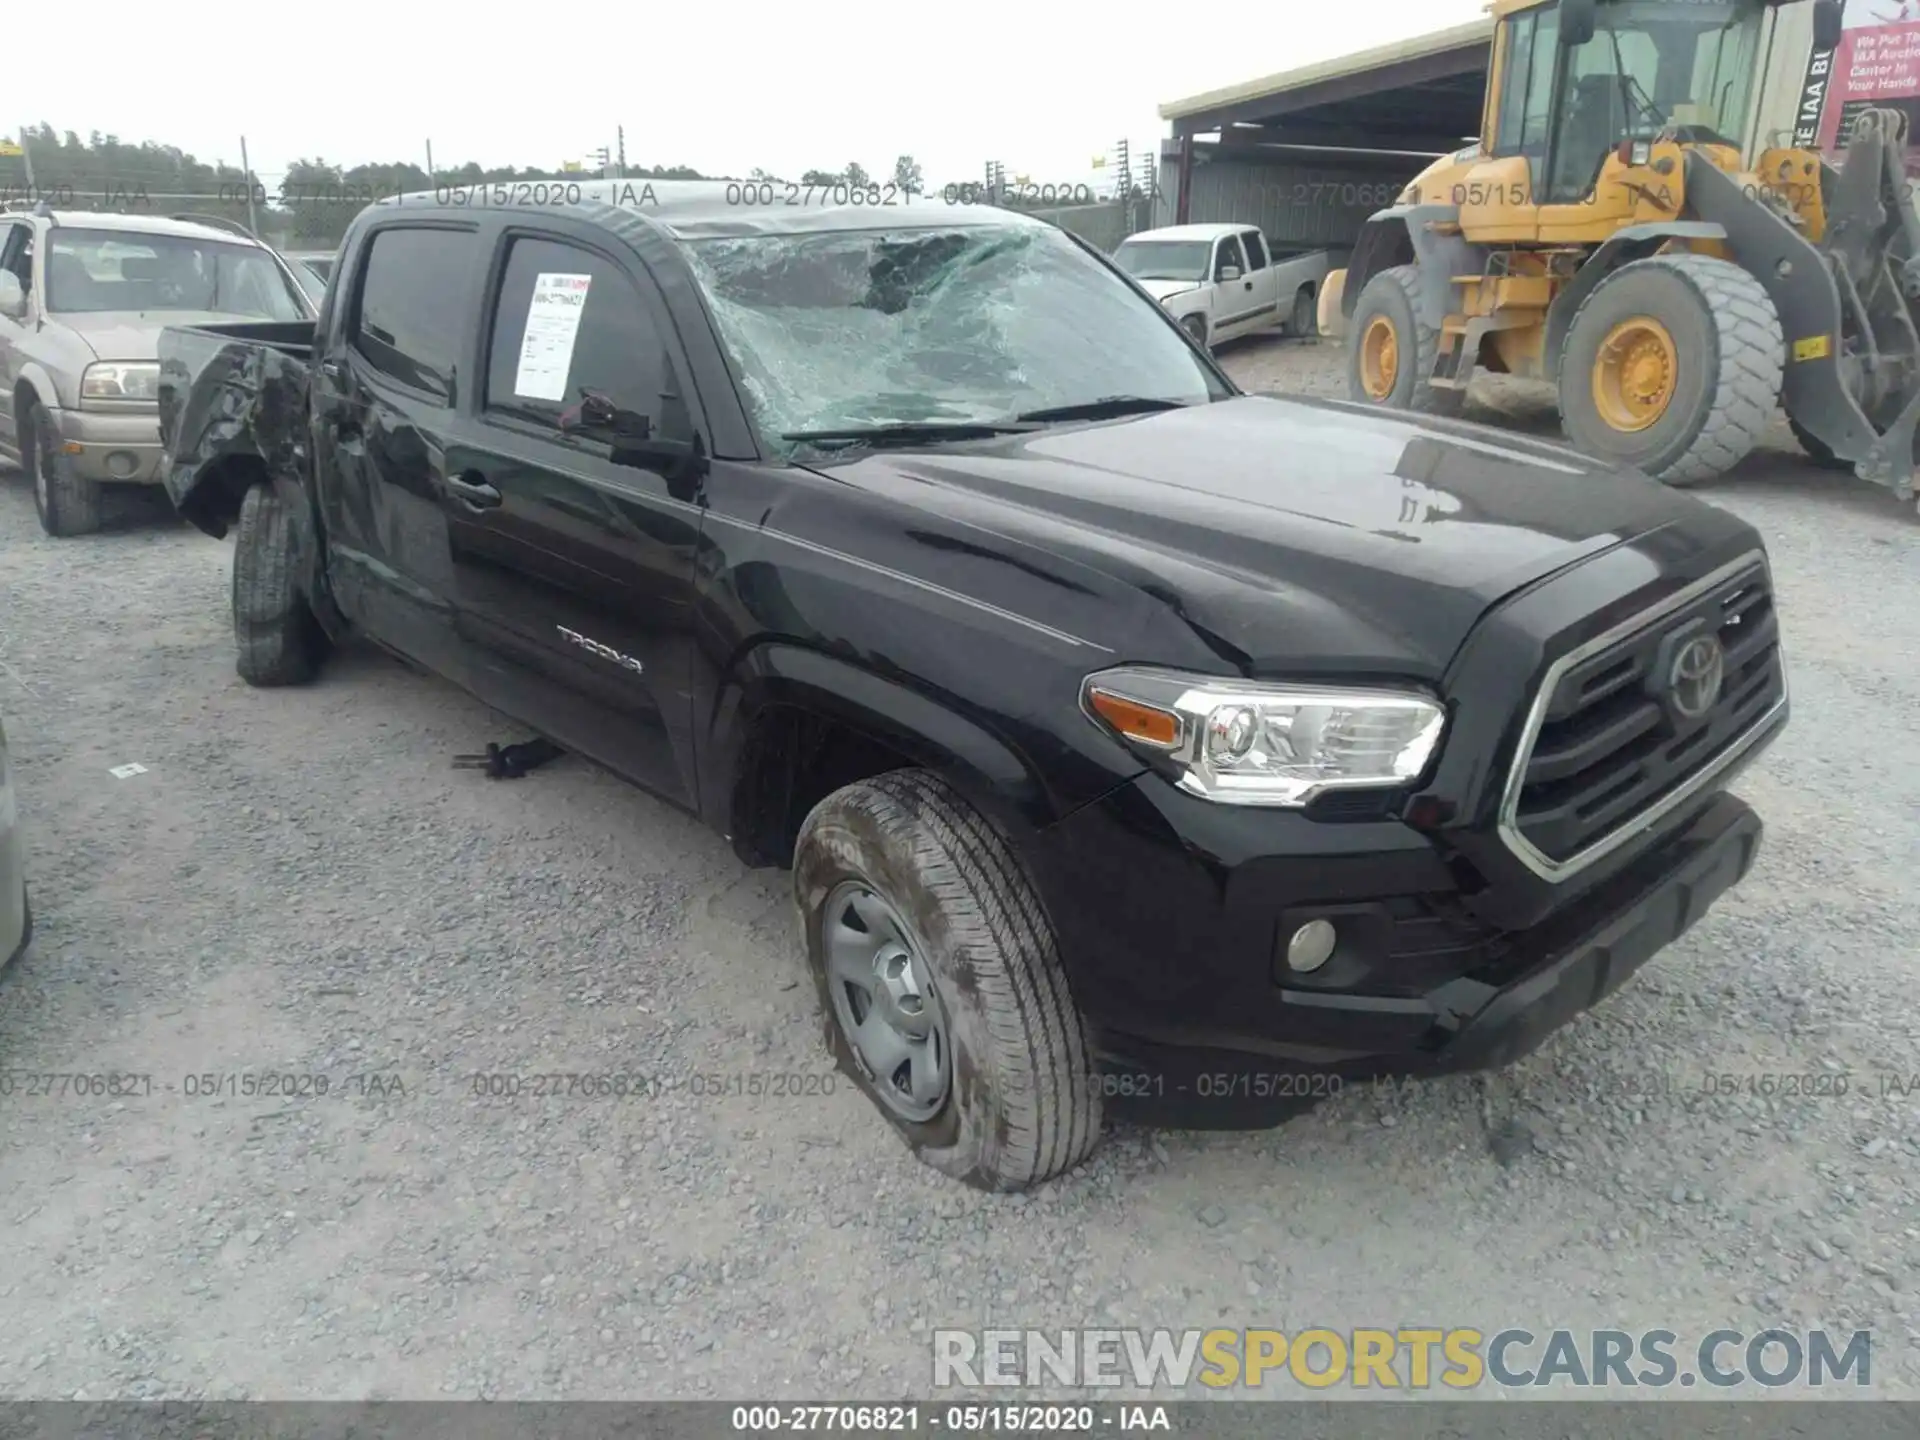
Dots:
{"x": 83, "y": 299}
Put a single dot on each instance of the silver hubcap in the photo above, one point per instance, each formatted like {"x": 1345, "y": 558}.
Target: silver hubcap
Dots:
{"x": 884, "y": 1001}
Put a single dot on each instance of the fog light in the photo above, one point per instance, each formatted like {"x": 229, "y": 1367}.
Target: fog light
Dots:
{"x": 1312, "y": 945}
{"x": 122, "y": 463}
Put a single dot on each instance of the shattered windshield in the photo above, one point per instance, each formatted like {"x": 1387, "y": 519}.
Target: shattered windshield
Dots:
{"x": 1165, "y": 259}
{"x": 95, "y": 271}
{"x": 866, "y": 328}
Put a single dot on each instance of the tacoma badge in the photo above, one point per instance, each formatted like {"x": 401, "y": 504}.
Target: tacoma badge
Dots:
{"x": 605, "y": 652}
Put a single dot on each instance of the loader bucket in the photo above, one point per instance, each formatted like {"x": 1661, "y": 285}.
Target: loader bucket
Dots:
{"x": 1864, "y": 415}
{"x": 1332, "y": 319}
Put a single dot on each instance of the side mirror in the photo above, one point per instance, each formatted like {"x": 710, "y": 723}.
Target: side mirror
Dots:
{"x": 1229, "y": 272}
{"x": 1577, "y": 21}
{"x": 13, "y": 300}
{"x": 1827, "y": 26}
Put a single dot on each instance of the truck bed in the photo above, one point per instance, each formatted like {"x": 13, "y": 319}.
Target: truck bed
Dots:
{"x": 233, "y": 408}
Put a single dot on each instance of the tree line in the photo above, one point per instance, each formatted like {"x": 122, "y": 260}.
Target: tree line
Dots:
{"x": 313, "y": 200}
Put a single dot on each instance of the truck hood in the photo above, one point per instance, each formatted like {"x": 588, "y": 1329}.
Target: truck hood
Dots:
{"x": 1167, "y": 289}
{"x": 1257, "y": 531}
{"x": 133, "y": 334}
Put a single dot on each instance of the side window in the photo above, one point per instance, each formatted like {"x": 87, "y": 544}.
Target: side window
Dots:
{"x": 1256, "y": 249}
{"x": 576, "y": 346}
{"x": 1513, "y": 86}
{"x": 413, "y": 305}
{"x": 16, "y": 254}
{"x": 1228, "y": 253}
{"x": 1536, "y": 116}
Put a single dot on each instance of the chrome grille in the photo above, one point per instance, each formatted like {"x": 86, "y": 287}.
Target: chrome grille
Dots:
{"x": 1607, "y": 749}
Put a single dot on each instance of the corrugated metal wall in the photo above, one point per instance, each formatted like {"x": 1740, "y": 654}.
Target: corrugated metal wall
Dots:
{"x": 1105, "y": 224}
{"x": 1294, "y": 204}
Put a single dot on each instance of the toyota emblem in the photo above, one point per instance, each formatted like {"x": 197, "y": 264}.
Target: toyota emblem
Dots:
{"x": 1697, "y": 674}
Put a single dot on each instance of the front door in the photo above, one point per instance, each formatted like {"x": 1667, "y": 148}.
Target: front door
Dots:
{"x": 16, "y": 258}
{"x": 388, "y": 384}
{"x": 1235, "y": 302}
{"x": 573, "y": 552}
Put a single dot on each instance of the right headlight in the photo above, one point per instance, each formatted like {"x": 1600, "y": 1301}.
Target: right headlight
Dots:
{"x": 1247, "y": 743}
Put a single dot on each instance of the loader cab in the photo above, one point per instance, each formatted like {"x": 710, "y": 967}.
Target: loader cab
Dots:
{"x": 1573, "y": 79}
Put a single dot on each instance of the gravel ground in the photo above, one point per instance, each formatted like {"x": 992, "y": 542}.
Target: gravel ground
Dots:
{"x": 300, "y": 884}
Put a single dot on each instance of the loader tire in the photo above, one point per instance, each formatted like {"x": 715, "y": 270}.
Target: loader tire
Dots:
{"x": 1390, "y": 350}
{"x": 1673, "y": 365}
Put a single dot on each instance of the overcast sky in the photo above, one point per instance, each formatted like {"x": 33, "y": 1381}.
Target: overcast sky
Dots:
{"x": 723, "y": 87}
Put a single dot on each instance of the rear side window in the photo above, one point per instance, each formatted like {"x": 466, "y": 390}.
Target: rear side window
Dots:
{"x": 569, "y": 324}
{"x": 1256, "y": 250}
{"x": 413, "y": 306}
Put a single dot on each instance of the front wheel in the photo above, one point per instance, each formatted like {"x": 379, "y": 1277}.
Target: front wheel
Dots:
{"x": 1196, "y": 328}
{"x": 67, "y": 503}
{"x": 1391, "y": 350}
{"x": 1306, "y": 314}
{"x": 1673, "y": 365}
{"x": 940, "y": 982}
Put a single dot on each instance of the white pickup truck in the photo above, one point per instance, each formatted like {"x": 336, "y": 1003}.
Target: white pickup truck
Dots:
{"x": 1224, "y": 281}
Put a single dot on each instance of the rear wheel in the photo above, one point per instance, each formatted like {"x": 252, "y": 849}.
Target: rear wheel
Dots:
{"x": 67, "y": 504}
{"x": 942, "y": 989}
{"x": 1306, "y": 314}
{"x": 1392, "y": 350}
{"x": 278, "y": 640}
{"x": 1673, "y": 365}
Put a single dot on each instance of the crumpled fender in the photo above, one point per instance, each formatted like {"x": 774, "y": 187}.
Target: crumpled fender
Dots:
{"x": 230, "y": 408}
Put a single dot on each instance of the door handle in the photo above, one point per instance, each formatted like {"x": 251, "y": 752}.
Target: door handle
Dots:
{"x": 334, "y": 371}
{"x": 473, "y": 490}
{"x": 1249, "y": 285}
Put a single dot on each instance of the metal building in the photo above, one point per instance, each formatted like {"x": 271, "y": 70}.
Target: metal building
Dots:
{"x": 1306, "y": 153}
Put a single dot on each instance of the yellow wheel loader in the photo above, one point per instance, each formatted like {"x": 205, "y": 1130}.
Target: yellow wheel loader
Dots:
{"x": 1608, "y": 234}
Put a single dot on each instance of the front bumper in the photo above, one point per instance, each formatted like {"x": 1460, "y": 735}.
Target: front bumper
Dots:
{"x": 123, "y": 448}
{"x": 1222, "y": 1036}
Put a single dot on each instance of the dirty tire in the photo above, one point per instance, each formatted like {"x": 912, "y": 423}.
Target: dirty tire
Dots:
{"x": 67, "y": 504}
{"x": 1731, "y": 355}
{"x": 1392, "y": 293}
{"x": 1305, "y": 321}
{"x": 277, "y": 638}
{"x": 1196, "y": 328}
{"x": 1020, "y": 1108}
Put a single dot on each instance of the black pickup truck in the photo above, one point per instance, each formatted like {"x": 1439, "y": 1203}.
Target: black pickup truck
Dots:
{"x": 1137, "y": 746}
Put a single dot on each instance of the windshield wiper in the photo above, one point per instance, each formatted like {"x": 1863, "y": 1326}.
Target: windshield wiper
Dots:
{"x": 1106, "y": 408}
{"x": 912, "y": 432}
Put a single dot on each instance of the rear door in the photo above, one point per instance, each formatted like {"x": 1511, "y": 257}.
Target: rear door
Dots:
{"x": 1234, "y": 300}
{"x": 1265, "y": 279}
{"x": 573, "y": 552}
{"x": 388, "y": 382}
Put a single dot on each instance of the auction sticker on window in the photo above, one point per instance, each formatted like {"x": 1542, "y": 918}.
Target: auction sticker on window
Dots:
{"x": 553, "y": 322}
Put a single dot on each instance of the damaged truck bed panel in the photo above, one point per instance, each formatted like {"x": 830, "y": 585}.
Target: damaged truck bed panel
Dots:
{"x": 1135, "y": 744}
{"x": 233, "y": 403}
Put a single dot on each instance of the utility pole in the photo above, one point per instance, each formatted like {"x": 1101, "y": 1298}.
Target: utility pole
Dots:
{"x": 430, "y": 180}
{"x": 247, "y": 169}
{"x": 1126, "y": 172}
{"x": 26, "y": 158}
{"x": 620, "y": 131}
{"x": 606, "y": 163}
